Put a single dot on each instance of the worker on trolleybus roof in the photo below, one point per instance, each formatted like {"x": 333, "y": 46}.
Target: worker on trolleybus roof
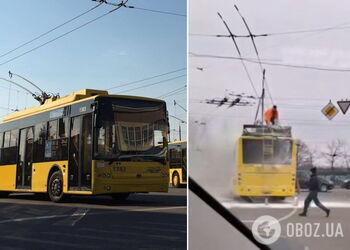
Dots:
{"x": 271, "y": 115}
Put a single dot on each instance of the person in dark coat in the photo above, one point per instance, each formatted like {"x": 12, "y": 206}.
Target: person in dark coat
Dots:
{"x": 313, "y": 187}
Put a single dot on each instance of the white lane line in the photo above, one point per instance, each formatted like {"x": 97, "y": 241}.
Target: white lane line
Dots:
{"x": 34, "y": 218}
{"x": 56, "y": 243}
{"x": 79, "y": 214}
{"x": 155, "y": 209}
{"x": 72, "y": 219}
{"x": 329, "y": 204}
{"x": 83, "y": 214}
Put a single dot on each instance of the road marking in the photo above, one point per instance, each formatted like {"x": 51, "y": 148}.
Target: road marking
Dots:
{"x": 73, "y": 219}
{"x": 83, "y": 214}
{"x": 329, "y": 204}
{"x": 79, "y": 214}
{"x": 156, "y": 209}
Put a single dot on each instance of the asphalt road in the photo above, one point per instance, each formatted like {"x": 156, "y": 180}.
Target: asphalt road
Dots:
{"x": 144, "y": 221}
{"x": 317, "y": 231}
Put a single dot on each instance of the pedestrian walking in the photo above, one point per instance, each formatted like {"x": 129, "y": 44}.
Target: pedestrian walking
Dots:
{"x": 312, "y": 196}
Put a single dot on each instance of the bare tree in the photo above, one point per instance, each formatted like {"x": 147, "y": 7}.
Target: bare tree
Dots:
{"x": 334, "y": 151}
{"x": 306, "y": 155}
{"x": 346, "y": 157}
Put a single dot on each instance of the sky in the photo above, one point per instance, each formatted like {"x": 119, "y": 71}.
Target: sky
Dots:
{"x": 122, "y": 47}
{"x": 300, "y": 94}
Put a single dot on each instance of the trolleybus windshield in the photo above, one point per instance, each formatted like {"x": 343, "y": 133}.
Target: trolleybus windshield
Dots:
{"x": 124, "y": 131}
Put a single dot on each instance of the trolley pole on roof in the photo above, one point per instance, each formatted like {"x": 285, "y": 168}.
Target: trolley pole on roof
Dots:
{"x": 262, "y": 98}
{"x": 44, "y": 96}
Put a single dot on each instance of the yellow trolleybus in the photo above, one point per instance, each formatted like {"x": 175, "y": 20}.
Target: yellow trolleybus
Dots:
{"x": 178, "y": 163}
{"x": 266, "y": 162}
{"x": 88, "y": 143}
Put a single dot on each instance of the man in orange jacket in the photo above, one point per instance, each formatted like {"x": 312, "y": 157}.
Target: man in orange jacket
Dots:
{"x": 271, "y": 115}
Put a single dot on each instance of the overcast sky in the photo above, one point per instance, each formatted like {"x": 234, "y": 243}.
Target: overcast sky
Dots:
{"x": 300, "y": 94}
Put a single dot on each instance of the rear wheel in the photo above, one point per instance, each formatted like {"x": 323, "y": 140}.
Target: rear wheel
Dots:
{"x": 55, "y": 187}
{"x": 176, "y": 180}
{"x": 324, "y": 188}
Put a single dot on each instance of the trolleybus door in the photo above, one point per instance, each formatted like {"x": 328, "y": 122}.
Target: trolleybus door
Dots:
{"x": 80, "y": 153}
{"x": 25, "y": 158}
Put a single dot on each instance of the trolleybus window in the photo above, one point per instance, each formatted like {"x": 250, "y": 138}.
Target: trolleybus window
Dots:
{"x": 276, "y": 151}
{"x": 9, "y": 151}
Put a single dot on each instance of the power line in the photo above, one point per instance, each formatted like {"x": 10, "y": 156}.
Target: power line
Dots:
{"x": 338, "y": 27}
{"x": 307, "y": 30}
{"x": 272, "y": 63}
{"x": 175, "y": 103}
{"x": 150, "y": 10}
{"x": 177, "y": 118}
{"x": 148, "y": 85}
{"x": 239, "y": 53}
{"x": 251, "y": 35}
{"x": 147, "y": 78}
{"x": 175, "y": 93}
{"x": 49, "y": 31}
{"x": 66, "y": 33}
{"x": 172, "y": 91}
{"x": 159, "y": 11}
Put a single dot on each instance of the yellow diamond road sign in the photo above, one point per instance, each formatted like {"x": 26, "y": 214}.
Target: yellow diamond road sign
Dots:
{"x": 330, "y": 111}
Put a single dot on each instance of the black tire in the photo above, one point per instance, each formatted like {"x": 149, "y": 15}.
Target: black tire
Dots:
{"x": 55, "y": 187}
{"x": 3, "y": 194}
{"x": 324, "y": 188}
{"x": 120, "y": 196}
{"x": 175, "y": 180}
{"x": 347, "y": 186}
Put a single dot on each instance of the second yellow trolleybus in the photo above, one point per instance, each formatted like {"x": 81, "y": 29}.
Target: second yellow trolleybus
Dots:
{"x": 266, "y": 162}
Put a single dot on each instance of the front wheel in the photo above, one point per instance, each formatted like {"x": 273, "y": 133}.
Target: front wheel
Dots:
{"x": 55, "y": 187}
{"x": 176, "y": 180}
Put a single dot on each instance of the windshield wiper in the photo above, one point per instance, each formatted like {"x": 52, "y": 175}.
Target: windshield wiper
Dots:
{"x": 227, "y": 215}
